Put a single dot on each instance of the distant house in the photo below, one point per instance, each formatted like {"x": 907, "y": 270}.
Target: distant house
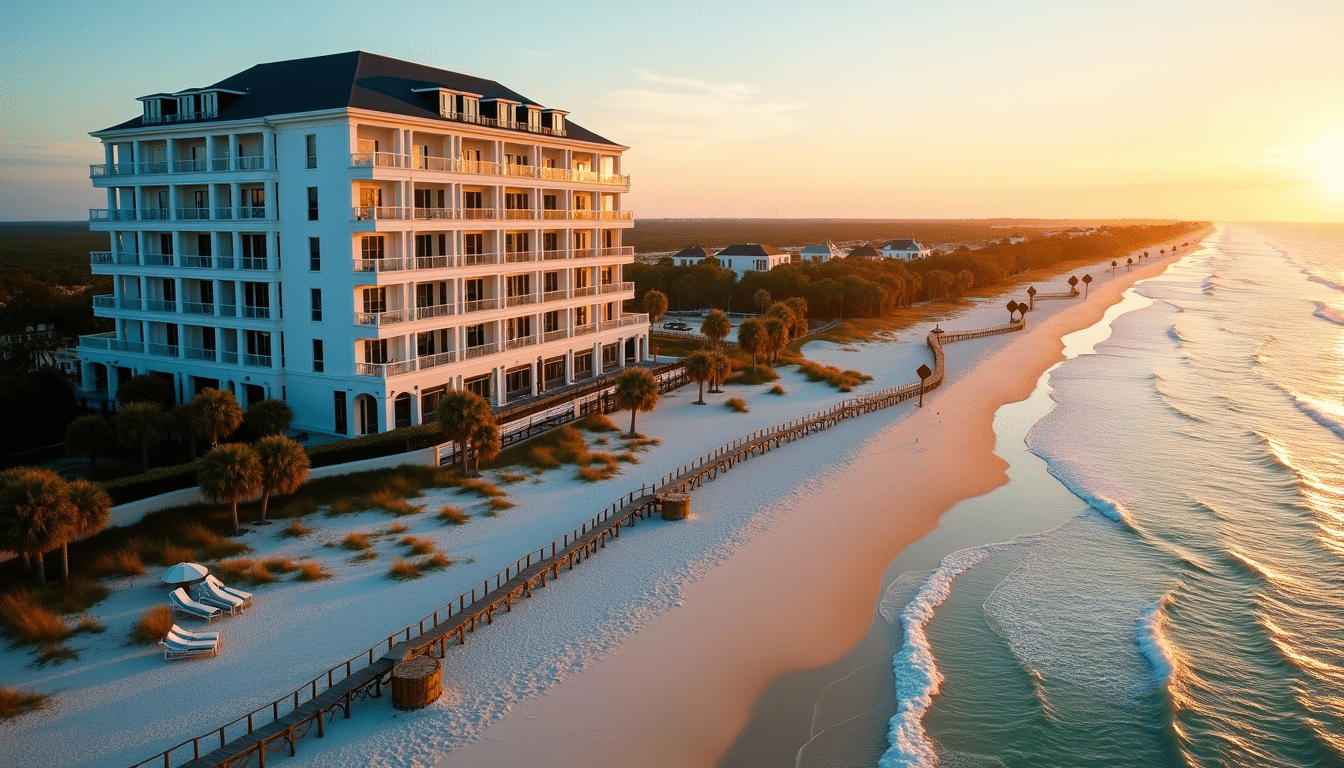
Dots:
{"x": 1015, "y": 239}
{"x": 864, "y": 252}
{"x": 1076, "y": 232}
{"x": 820, "y": 254}
{"x": 905, "y": 250}
{"x": 689, "y": 257}
{"x": 751, "y": 257}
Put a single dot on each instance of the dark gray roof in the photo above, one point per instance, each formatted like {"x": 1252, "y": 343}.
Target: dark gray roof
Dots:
{"x": 865, "y": 252}
{"x": 355, "y": 79}
{"x": 751, "y": 249}
{"x": 903, "y": 245}
{"x": 693, "y": 252}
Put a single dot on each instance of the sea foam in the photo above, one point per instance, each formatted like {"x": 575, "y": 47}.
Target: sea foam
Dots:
{"x": 916, "y": 670}
{"x": 1152, "y": 643}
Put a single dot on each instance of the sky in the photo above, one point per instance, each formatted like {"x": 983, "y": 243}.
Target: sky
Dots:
{"x": 1187, "y": 109}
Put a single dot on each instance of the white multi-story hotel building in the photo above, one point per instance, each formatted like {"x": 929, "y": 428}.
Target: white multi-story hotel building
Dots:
{"x": 356, "y": 235}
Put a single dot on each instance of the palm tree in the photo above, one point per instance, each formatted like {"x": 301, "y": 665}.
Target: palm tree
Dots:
{"x": 140, "y": 425}
{"x": 637, "y": 390}
{"x": 716, "y": 327}
{"x": 462, "y": 415}
{"x": 777, "y": 337}
{"x": 284, "y": 467}
{"x": 89, "y": 436}
{"x": 700, "y": 369}
{"x": 965, "y": 281}
{"x": 216, "y": 414}
{"x": 761, "y": 299}
{"x": 1112, "y": 266}
{"x": 91, "y": 509}
{"x": 1087, "y": 282}
{"x": 1129, "y": 263}
{"x": 799, "y": 306}
{"x": 268, "y": 417}
{"x": 785, "y": 315}
{"x": 232, "y": 473}
{"x": 751, "y": 338}
{"x": 655, "y": 303}
{"x": 720, "y": 370}
{"x": 35, "y": 514}
{"x": 485, "y": 444}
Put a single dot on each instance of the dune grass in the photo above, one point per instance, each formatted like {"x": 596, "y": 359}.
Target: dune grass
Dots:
{"x": 27, "y": 621}
{"x": 124, "y": 561}
{"x": 498, "y": 505}
{"x": 761, "y": 374}
{"x": 395, "y": 528}
{"x": 404, "y": 570}
{"x": 737, "y": 405}
{"x": 778, "y": 389}
{"x": 452, "y": 515}
{"x": 295, "y": 529}
{"x": 153, "y": 626}
{"x": 844, "y": 381}
{"x": 312, "y": 571}
{"x": 15, "y": 702}
{"x": 417, "y": 545}
{"x": 356, "y": 542}
{"x": 481, "y": 487}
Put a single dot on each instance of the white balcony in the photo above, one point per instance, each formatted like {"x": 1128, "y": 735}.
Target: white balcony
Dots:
{"x": 391, "y": 317}
{"x": 484, "y": 168}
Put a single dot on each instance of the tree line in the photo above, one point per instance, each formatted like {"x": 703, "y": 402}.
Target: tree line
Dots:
{"x": 861, "y": 287}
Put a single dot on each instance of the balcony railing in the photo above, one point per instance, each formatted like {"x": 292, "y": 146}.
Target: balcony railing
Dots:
{"x": 257, "y": 361}
{"x": 260, "y": 313}
{"x": 514, "y": 257}
{"x": 110, "y": 342}
{"x": 189, "y": 166}
{"x": 177, "y": 214}
{"x": 192, "y": 353}
{"x": 375, "y": 212}
{"x": 587, "y": 290}
{"x": 522, "y": 341}
{"x": 618, "y": 287}
{"x": 484, "y": 168}
{"x": 196, "y": 261}
{"x": 480, "y": 305}
{"x": 383, "y": 265}
{"x": 158, "y": 259}
{"x": 434, "y": 310}
{"x": 115, "y": 169}
{"x": 390, "y": 317}
{"x": 162, "y": 350}
{"x": 555, "y": 295}
{"x": 198, "y": 308}
{"x": 108, "y": 301}
{"x": 227, "y": 310}
{"x": 433, "y": 213}
{"x": 472, "y": 259}
{"x": 253, "y": 262}
{"x": 482, "y": 350}
{"x": 555, "y": 335}
{"x": 521, "y": 299}
{"x": 193, "y": 214}
{"x": 160, "y": 305}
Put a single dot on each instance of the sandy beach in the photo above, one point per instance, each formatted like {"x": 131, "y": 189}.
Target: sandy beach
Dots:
{"x": 802, "y": 593}
{"x": 654, "y": 652}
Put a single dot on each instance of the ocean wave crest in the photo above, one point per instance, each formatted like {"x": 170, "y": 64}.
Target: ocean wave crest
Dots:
{"x": 1325, "y": 281}
{"x": 1316, "y": 414}
{"x": 1328, "y": 313}
{"x": 916, "y": 670}
{"x": 1152, "y": 643}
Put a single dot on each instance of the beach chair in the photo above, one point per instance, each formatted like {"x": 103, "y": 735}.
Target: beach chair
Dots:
{"x": 211, "y": 595}
{"x": 188, "y": 634}
{"x": 177, "y": 647}
{"x": 184, "y": 606}
{"x": 246, "y": 597}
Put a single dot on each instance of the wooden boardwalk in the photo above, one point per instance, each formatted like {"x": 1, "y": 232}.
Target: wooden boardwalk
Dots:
{"x": 280, "y": 724}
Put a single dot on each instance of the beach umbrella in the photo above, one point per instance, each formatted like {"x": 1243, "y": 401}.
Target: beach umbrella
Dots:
{"x": 183, "y": 574}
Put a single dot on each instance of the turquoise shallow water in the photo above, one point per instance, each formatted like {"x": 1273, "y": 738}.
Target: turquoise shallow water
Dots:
{"x": 1188, "y": 609}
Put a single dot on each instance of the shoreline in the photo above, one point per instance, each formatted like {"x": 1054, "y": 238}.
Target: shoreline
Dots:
{"x": 681, "y": 691}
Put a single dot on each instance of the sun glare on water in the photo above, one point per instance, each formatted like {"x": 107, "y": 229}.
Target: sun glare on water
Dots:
{"x": 1329, "y": 159}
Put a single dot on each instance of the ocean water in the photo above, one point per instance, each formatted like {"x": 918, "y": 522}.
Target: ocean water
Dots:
{"x": 1189, "y": 610}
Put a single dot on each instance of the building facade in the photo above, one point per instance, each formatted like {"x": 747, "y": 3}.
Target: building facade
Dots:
{"x": 906, "y": 250}
{"x": 358, "y": 235}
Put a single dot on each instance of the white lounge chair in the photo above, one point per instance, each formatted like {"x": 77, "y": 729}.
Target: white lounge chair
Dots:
{"x": 214, "y": 596}
{"x": 183, "y": 605}
{"x": 176, "y": 647}
{"x": 187, "y": 634}
{"x": 246, "y": 597}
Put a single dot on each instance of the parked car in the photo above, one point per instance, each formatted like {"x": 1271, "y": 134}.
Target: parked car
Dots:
{"x": 675, "y": 325}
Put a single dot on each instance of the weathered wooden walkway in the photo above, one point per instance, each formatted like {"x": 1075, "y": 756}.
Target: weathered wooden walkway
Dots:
{"x": 280, "y": 724}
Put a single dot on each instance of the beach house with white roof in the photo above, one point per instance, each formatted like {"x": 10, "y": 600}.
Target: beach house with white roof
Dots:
{"x": 439, "y": 231}
{"x": 820, "y": 254}
{"x": 905, "y": 250}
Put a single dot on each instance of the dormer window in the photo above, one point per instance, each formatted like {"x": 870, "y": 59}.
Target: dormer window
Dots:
{"x": 447, "y": 104}
{"x": 534, "y": 120}
{"x": 471, "y": 108}
{"x": 153, "y": 111}
{"x": 553, "y": 122}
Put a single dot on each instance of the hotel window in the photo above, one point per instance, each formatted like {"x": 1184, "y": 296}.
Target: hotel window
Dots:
{"x": 371, "y": 247}
{"x": 518, "y": 379}
{"x": 474, "y": 288}
{"x": 583, "y": 363}
{"x": 471, "y": 200}
{"x": 609, "y": 311}
{"x": 479, "y": 385}
{"x": 473, "y": 243}
{"x": 519, "y": 327}
{"x": 314, "y": 254}
{"x": 476, "y": 335}
{"x": 608, "y": 275}
{"x": 317, "y": 304}
{"x": 550, "y": 241}
{"x": 518, "y": 285}
{"x": 375, "y": 300}
{"x": 580, "y": 316}
{"x": 312, "y": 203}
{"x": 553, "y": 369}
{"x": 515, "y": 201}
{"x": 551, "y": 322}
{"x": 550, "y": 202}
{"x": 516, "y": 242}
{"x": 310, "y": 142}
{"x": 166, "y": 244}
{"x": 550, "y": 282}
{"x": 375, "y": 351}
{"x": 318, "y": 364}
